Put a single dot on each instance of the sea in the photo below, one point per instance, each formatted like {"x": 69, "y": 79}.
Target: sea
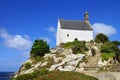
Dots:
{"x": 5, "y": 75}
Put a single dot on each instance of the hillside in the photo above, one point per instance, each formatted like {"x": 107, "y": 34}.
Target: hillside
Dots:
{"x": 89, "y": 58}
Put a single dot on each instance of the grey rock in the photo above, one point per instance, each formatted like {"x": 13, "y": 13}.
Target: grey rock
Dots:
{"x": 110, "y": 77}
{"x": 56, "y": 50}
{"x": 44, "y": 64}
{"x": 106, "y": 76}
{"x": 69, "y": 68}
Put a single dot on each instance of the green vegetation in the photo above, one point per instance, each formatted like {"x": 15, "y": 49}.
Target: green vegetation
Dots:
{"x": 76, "y": 46}
{"x": 30, "y": 76}
{"x": 101, "y": 38}
{"x": 117, "y": 43}
{"x": 93, "y": 51}
{"x": 109, "y": 49}
{"x": 107, "y": 56}
{"x": 56, "y": 75}
{"x": 39, "y": 48}
{"x": 43, "y": 71}
{"x": 27, "y": 65}
{"x": 33, "y": 75}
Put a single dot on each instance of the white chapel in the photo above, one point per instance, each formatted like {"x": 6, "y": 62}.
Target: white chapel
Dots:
{"x": 69, "y": 30}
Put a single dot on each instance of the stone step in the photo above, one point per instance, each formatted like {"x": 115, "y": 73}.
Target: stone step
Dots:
{"x": 91, "y": 68}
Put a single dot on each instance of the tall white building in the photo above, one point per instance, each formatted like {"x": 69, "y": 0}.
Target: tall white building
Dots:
{"x": 69, "y": 30}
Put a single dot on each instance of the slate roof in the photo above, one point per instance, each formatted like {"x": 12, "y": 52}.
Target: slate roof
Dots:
{"x": 74, "y": 25}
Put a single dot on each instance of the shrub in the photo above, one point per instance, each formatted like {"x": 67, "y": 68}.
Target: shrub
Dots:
{"x": 109, "y": 48}
{"x": 76, "y": 46}
{"x": 93, "y": 51}
{"x": 107, "y": 56}
{"x": 101, "y": 38}
{"x": 39, "y": 48}
{"x": 117, "y": 43}
{"x": 27, "y": 65}
{"x": 91, "y": 41}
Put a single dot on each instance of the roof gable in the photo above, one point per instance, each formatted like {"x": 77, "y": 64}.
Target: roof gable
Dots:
{"x": 74, "y": 25}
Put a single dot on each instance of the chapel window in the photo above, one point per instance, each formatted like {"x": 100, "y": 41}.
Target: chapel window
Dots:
{"x": 67, "y": 35}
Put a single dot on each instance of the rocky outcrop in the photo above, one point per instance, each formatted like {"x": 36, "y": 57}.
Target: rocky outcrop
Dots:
{"x": 61, "y": 59}
{"x": 69, "y": 63}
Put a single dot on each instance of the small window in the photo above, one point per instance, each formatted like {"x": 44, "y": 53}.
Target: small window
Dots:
{"x": 67, "y": 35}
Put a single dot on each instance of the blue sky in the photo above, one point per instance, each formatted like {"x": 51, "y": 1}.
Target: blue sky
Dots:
{"x": 23, "y": 21}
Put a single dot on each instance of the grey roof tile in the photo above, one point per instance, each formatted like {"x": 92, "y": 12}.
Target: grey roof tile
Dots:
{"x": 74, "y": 25}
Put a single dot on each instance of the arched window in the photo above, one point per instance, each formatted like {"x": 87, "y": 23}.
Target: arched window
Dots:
{"x": 75, "y": 39}
{"x": 67, "y": 35}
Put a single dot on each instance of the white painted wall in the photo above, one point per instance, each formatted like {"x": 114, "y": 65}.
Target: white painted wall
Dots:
{"x": 81, "y": 35}
{"x": 58, "y": 39}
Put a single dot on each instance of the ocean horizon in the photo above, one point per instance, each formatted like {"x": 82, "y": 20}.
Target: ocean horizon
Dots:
{"x": 5, "y": 75}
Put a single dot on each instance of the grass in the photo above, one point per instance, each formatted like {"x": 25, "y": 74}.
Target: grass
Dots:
{"x": 27, "y": 65}
{"x": 32, "y": 75}
{"x": 43, "y": 74}
{"x": 56, "y": 75}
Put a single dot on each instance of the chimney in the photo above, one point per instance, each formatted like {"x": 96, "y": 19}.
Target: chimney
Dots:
{"x": 86, "y": 17}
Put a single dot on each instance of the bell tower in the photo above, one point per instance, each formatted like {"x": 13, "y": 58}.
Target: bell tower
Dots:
{"x": 86, "y": 17}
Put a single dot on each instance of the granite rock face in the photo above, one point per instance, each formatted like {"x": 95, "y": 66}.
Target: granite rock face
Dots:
{"x": 61, "y": 59}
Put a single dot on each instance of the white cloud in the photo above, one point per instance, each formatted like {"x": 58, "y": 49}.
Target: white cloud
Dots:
{"x": 15, "y": 41}
{"x": 46, "y": 39}
{"x": 103, "y": 28}
{"x": 51, "y": 29}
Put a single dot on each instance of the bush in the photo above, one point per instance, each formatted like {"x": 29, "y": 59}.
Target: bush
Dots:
{"x": 107, "y": 56}
{"x": 93, "y": 51}
{"x": 27, "y": 65}
{"x": 117, "y": 43}
{"x": 39, "y": 48}
{"x": 101, "y": 38}
{"x": 109, "y": 47}
{"x": 76, "y": 46}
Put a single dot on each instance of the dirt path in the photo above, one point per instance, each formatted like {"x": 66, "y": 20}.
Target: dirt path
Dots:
{"x": 115, "y": 74}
